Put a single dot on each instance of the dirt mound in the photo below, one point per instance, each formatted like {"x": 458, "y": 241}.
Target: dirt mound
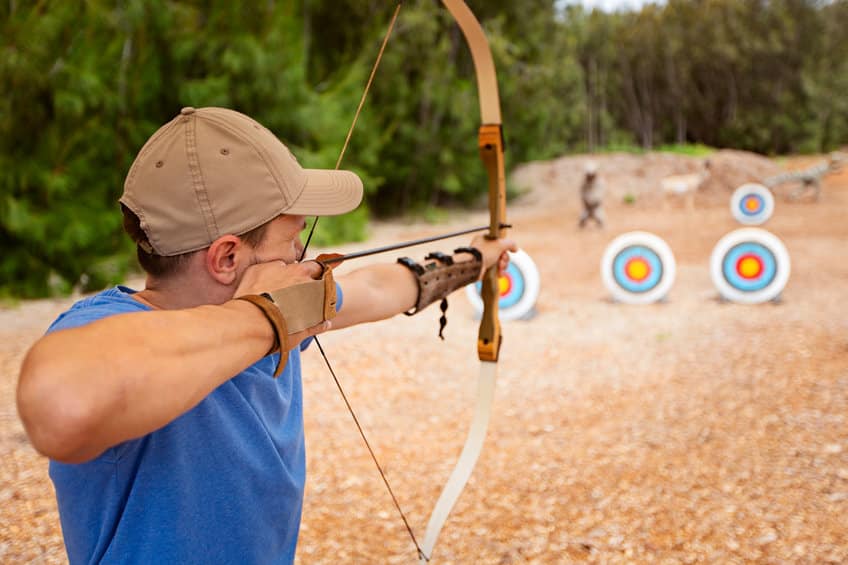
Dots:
{"x": 730, "y": 169}
{"x": 638, "y": 177}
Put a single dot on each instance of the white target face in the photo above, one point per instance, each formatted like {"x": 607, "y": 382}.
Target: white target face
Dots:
{"x": 752, "y": 204}
{"x": 749, "y": 265}
{"x": 518, "y": 288}
{"x": 638, "y": 268}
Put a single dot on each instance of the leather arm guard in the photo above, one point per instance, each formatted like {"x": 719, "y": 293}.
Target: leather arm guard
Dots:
{"x": 308, "y": 304}
{"x": 441, "y": 276}
{"x": 296, "y": 308}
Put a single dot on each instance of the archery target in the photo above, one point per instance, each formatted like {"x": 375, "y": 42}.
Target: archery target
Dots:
{"x": 752, "y": 204}
{"x": 638, "y": 268}
{"x": 749, "y": 265}
{"x": 518, "y": 288}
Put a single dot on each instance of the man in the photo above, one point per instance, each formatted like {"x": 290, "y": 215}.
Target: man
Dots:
{"x": 171, "y": 439}
{"x": 592, "y": 196}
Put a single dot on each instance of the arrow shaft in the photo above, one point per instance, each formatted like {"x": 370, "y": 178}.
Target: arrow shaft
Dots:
{"x": 410, "y": 243}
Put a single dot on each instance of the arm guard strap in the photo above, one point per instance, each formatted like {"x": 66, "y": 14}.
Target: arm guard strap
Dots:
{"x": 438, "y": 278}
{"x": 441, "y": 276}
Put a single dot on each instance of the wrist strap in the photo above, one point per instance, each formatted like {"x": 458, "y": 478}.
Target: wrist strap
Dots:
{"x": 278, "y": 324}
{"x": 472, "y": 250}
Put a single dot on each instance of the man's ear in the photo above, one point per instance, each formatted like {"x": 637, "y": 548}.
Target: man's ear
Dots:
{"x": 222, "y": 258}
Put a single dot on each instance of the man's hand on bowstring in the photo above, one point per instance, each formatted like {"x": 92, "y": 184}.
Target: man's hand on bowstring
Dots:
{"x": 275, "y": 275}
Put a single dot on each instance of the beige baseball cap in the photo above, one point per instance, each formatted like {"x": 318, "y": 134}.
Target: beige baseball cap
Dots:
{"x": 210, "y": 172}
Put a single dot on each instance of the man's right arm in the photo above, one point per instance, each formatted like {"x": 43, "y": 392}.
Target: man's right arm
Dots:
{"x": 85, "y": 389}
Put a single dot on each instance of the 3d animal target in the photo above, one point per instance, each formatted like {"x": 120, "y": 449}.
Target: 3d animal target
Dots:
{"x": 638, "y": 268}
{"x": 518, "y": 287}
{"x": 752, "y": 204}
{"x": 750, "y": 266}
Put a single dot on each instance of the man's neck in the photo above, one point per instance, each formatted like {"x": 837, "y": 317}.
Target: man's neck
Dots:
{"x": 174, "y": 293}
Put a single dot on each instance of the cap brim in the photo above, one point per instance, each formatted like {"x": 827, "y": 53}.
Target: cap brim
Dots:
{"x": 327, "y": 193}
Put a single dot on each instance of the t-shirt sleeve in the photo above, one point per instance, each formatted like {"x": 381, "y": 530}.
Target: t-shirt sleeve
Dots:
{"x": 78, "y": 317}
{"x": 339, "y": 300}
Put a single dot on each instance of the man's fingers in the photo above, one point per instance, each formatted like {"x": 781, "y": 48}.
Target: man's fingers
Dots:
{"x": 312, "y": 269}
{"x": 304, "y": 270}
{"x": 503, "y": 262}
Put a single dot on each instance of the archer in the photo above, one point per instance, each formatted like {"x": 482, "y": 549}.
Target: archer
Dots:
{"x": 172, "y": 415}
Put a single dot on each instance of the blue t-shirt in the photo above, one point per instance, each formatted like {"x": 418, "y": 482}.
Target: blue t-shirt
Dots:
{"x": 223, "y": 483}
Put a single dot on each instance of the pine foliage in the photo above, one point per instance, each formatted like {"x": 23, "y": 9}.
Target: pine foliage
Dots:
{"x": 85, "y": 83}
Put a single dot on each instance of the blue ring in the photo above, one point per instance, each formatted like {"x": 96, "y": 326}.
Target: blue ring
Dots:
{"x": 760, "y": 208}
{"x": 516, "y": 292}
{"x": 646, "y": 253}
{"x": 728, "y": 266}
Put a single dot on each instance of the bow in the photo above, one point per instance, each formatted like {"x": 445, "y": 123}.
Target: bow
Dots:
{"x": 491, "y": 147}
{"x": 490, "y": 143}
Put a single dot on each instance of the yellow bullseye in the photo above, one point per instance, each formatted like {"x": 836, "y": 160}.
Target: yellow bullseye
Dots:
{"x": 637, "y": 270}
{"x": 503, "y": 285}
{"x": 751, "y": 204}
{"x": 749, "y": 267}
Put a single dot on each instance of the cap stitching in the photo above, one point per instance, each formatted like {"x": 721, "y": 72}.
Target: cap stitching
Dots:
{"x": 342, "y": 181}
{"x": 225, "y": 125}
{"x": 197, "y": 180}
{"x": 213, "y": 118}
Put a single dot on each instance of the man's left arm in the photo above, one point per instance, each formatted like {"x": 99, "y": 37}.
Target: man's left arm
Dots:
{"x": 381, "y": 291}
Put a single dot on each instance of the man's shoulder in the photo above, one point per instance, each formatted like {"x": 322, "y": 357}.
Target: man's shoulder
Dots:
{"x": 109, "y": 302}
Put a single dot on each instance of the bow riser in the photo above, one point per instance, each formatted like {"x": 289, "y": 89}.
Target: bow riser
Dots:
{"x": 490, "y": 141}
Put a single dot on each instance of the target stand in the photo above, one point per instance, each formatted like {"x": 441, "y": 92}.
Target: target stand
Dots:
{"x": 518, "y": 287}
{"x": 752, "y": 204}
{"x": 750, "y": 266}
{"x": 638, "y": 268}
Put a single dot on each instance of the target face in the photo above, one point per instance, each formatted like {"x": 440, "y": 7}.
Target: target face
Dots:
{"x": 750, "y": 266}
{"x": 752, "y": 204}
{"x": 638, "y": 268}
{"x": 518, "y": 287}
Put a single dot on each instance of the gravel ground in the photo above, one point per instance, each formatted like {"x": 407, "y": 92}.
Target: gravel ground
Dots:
{"x": 685, "y": 432}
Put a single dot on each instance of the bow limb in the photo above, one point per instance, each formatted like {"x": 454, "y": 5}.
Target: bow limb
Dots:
{"x": 490, "y": 143}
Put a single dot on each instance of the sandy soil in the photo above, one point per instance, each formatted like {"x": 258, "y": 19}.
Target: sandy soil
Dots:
{"x": 686, "y": 432}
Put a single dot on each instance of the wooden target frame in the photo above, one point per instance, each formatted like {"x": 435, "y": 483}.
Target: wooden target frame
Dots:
{"x": 638, "y": 268}
{"x": 519, "y": 289}
{"x": 752, "y": 204}
{"x": 750, "y": 266}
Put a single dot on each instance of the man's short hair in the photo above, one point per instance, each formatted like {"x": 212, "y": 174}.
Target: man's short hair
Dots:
{"x": 164, "y": 266}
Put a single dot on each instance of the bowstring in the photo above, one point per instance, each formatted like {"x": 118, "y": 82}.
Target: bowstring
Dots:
{"x": 358, "y": 111}
{"x": 317, "y": 342}
{"x": 371, "y": 452}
